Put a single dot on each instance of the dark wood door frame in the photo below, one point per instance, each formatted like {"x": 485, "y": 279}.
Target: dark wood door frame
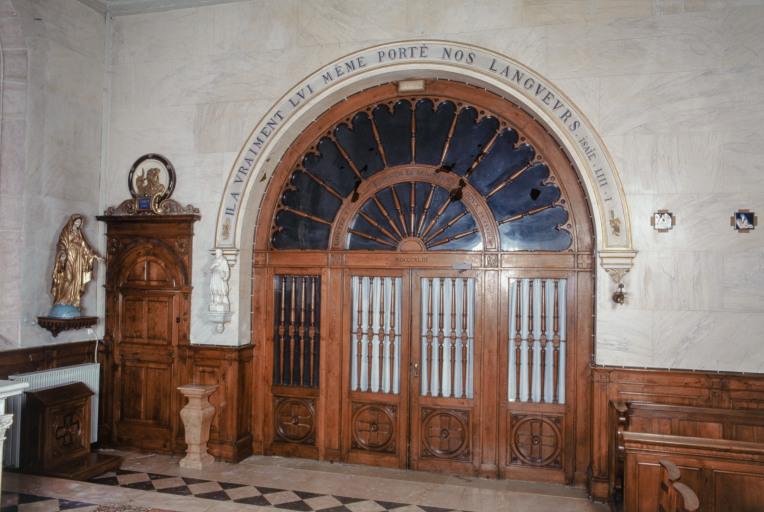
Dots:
{"x": 496, "y": 450}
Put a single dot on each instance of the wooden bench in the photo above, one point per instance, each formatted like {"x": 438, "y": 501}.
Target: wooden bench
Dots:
{"x": 682, "y": 420}
{"x": 727, "y": 476}
{"x": 675, "y": 496}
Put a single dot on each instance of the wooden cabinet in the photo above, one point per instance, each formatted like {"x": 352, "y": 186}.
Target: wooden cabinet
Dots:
{"x": 148, "y": 298}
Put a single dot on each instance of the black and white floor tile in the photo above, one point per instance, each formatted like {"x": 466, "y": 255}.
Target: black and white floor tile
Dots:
{"x": 20, "y": 502}
{"x": 252, "y": 494}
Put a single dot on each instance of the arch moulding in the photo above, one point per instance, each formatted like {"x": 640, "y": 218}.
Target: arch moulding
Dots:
{"x": 409, "y": 61}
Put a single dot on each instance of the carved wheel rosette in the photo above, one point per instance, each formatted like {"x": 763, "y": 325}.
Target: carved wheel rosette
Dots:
{"x": 295, "y": 420}
{"x": 374, "y": 427}
{"x": 445, "y": 433}
{"x": 536, "y": 440}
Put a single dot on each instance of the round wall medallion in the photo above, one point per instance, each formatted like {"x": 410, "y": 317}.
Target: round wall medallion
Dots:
{"x": 536, "y": 441}
{"x": 295, "y": 420}
{"x": 445, "y": 434}
{"x": 373, "y": 427}
{"x": 151, "y": 176}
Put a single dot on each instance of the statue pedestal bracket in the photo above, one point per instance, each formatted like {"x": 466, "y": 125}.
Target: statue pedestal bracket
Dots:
{"x": 197, "y": 418}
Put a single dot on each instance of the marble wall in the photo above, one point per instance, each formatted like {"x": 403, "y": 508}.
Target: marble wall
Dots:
{"x": 671, "y": 85}
{"x": 63, "y": 92}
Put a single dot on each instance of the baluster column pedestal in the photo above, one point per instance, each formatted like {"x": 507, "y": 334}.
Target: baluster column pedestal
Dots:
{"x": 8, "y": 388}
{"x": 197, "y": 418}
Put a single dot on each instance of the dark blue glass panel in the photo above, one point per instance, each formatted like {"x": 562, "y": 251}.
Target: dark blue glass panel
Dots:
{"x": 471, "y": 242}
{"x": 454, "y": 208}
{"x": 537, "y": 232}
{"x": 394, "y": 132}
{"x": 502, "y": 160}
{"x": 331, "y": 167}
{"x": 439, "y": 197}
{"x": 386, "y": 198}
{"x": 358, "y": 242}
{"x": 524, "y": 194}
{"x": 360, "y": 144}
{"x": 298, "y": 232}
{"x": 310, "y": 197}
{"x": 469, "y": 140}
{"x": 467, "y": 243}
{"x": 432, "y": 128}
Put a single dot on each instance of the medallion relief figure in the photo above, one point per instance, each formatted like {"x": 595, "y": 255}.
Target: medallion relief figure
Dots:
{"x": 73, "y": 268}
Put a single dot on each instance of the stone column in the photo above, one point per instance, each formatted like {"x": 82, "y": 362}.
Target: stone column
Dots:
{"x": 5, "y": 423}
{"x": 7, "y": 389}
{"x": 197, "y": 417}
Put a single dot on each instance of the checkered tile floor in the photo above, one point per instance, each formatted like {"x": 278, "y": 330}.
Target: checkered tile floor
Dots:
{"x": 19, "y": 502}
{"x": 251, "y": 494}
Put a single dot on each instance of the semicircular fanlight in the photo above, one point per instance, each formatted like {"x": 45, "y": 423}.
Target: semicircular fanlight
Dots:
{"x": 517, "y": 185}
{"x": 417, "y": 212}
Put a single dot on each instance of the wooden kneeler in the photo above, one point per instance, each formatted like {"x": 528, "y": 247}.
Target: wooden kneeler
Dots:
{"x": 56, "y": 435}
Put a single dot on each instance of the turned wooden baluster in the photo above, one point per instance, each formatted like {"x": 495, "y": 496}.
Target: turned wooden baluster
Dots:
{"x": 312, "y": 331}
{"x": 369, "y": 333}
{"x": 289, "y": 372}
{"x": 556, "y": 344}
{"x": 300, "y": 350}
{"x": 412, "y": 209}
{"x": 465, "y": 338}
{"x": 391, "y": 356}
{"x": 518, "y": 338}
{"x": 530, "y": 340}
{"x": 359, "y": 332}
{"x": 282, "y": 330}
{"x": 543, "y": 338}
{"x": 428, "y": 334}
{"x": 441, "y": 336}
{"x": 381, "y": 334}
{"x": 452, "y": 338}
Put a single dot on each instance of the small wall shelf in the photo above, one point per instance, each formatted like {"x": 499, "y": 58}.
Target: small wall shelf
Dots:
{"x": 56, "y": 325}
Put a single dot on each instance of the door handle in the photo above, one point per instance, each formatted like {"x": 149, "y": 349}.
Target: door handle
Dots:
{"x": 416, "y": 369}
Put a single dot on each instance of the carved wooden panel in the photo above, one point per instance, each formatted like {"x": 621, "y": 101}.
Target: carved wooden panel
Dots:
{"x": 295, "y": 420}
{"x": 374, "y": 427}
{"x": 536, "y": 440}
{"x": 147, "y": 318}
{"x": 446, "y": 433}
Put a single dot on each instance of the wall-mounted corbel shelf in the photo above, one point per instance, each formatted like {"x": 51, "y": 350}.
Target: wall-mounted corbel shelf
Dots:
{"x": 56, "y": 325}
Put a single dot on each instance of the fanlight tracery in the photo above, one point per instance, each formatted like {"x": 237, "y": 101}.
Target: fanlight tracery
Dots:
{"x": 479, "y": 150}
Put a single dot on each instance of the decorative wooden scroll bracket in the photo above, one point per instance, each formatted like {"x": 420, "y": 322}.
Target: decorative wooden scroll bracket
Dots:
{"x": 56, "y": 325}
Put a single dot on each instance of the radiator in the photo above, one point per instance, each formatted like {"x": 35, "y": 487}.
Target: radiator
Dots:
{"x": 86, "y": 373}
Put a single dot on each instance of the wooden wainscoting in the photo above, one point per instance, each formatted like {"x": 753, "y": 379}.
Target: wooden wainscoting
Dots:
{"x": 677, "y": 387}
{"x": 231, "y": 369}
{"x": 45, "y": 357}
{"x": 228, "y": 367}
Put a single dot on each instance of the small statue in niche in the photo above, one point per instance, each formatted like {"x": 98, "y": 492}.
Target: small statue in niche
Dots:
{"x": 72, "y": 270}
{"x": 220, "y": 272}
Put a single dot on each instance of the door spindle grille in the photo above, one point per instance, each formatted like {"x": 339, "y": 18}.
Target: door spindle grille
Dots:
{"x": 536, "y": 343}
{"x": 296, "y": 330}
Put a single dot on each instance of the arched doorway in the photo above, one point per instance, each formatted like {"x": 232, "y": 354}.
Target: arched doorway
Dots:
{"x": 423, "y": 267}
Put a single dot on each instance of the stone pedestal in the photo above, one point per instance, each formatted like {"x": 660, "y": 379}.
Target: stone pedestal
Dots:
{"x": 197, "y": 417}
{"x": 7, "y": 388}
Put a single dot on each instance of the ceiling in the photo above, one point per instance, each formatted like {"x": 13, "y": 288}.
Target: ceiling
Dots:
{"x": 123, "y": 7}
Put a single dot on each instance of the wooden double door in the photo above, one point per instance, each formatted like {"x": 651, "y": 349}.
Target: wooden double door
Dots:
{"x": 459, "y": 371}
{"x": 409, "y": 363}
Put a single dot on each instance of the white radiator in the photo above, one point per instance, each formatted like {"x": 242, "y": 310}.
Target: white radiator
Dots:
{"x": 88, "y": 374}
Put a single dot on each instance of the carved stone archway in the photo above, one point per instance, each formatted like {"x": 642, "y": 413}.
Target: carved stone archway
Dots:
{"x": 409, "y": 61}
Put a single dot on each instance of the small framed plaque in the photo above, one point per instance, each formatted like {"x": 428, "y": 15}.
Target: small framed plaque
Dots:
{"x": 744, "y": 221}
{"x": 663, "y": 221}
